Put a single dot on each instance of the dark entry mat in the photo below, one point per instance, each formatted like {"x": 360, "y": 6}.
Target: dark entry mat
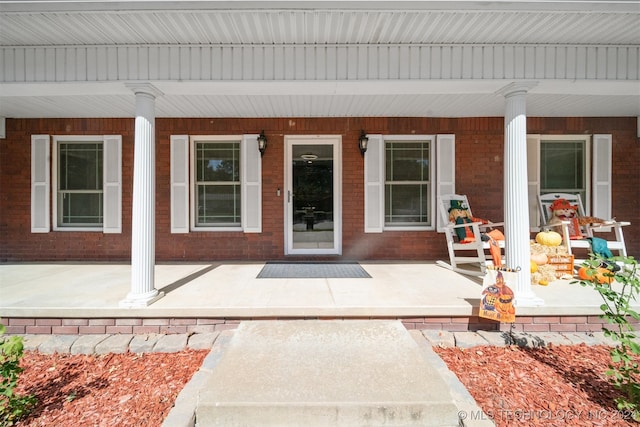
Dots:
{"x": 313, "y": 270}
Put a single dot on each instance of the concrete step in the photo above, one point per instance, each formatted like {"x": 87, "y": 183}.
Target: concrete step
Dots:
{"x": 324, "y": 373}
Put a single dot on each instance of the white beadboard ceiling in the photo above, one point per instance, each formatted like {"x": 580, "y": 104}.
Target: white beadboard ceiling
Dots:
{"x": 316, "y": 27}
{"x": 68, "y": 24}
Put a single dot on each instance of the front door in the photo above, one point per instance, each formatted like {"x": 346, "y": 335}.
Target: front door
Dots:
{"x": 312, "y": 200}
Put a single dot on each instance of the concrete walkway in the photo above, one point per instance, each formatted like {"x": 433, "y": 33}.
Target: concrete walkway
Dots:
{"x": 325, "y": 373}
{"x": 183, "y": 414}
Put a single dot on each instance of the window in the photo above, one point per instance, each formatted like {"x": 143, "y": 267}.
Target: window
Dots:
{"x": 80, "y": 184}
{"x": 217, "y": 182}
{"x": 577, "y": 164}
{"x": 400, "y": 184}
{"x": 563, "y": 166}
{"x": 84, "y": 186}
{"x": 407, "y": 183}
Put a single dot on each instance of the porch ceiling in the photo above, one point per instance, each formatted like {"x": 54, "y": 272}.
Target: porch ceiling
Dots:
{"x": 303, "y": 23}
{"x": 49, "y": 23}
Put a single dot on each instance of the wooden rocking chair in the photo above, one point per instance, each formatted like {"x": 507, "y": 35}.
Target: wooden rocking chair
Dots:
{"x": 585, "y": 230}
{"x": 475, "y": 252}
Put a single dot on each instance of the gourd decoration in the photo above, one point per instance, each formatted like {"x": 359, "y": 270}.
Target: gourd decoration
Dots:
{"x": 539, "y": 258}
{"x": 547, "y": 244}
{"x": 534, "y": 266}
{"x": 549, "y": 238}
{"x": 600, "y": 275}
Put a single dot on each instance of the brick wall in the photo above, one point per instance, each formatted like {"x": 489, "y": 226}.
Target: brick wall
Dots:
{"x": 58, "y": 326}
{"x": 479, "y": 174}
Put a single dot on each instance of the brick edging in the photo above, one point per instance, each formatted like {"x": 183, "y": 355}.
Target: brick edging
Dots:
{"x": 89, "y": 326}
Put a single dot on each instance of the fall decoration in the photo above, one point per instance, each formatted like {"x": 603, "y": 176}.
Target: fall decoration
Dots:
{"x": 601, "y": 274}
{"x": 563, "y": 264}
{"x": 590, "y": 220}
{"x": 547, "y": 271}
{"x": 549, "y": 238}
{"x": 539, "y": 258}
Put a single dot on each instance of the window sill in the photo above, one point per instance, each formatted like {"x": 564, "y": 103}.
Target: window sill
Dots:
{"x": 217, "y": 229}
{"x": 82, "y": 229}
{"x": 409, "y": 228}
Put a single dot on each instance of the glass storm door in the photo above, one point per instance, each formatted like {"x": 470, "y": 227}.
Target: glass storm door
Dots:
{"x": 313, "y": 202}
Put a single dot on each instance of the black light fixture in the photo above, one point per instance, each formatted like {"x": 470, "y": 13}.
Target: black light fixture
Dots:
{"x": 362, "y": 142}
{"x": 262, "y": 143}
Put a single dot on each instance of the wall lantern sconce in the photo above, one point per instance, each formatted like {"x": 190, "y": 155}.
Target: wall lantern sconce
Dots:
{"x": 362, "y": 142}
{"x": 262, "y": 143}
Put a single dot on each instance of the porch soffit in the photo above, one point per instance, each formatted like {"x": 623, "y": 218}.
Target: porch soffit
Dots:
{"x": 315, "y": 59}
{"x": 45, "y": 23}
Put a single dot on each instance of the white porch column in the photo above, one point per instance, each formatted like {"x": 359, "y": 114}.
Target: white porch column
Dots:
{"x": 143, "y": 251}
{"x": 516, "y": 202}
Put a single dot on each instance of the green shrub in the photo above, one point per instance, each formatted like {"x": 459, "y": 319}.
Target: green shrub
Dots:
{"x": 617, "y": 310}
{"x": 12, "y": 406}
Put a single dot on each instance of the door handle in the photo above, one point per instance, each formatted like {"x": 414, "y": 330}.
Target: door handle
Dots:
{"x": 289, "y": 196}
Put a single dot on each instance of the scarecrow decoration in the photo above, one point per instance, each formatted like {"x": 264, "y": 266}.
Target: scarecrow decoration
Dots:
{"x": 563, "y": 211}
{"x": 459, "y": 214}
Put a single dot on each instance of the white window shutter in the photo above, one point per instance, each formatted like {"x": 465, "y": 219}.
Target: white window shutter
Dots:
{"x": 533, "y": 180}
{"x": 251, "y": 182}
{"x": 112, "y": 186}
{"x": 40, "y": 183}
{"x": 601, "y": 185}
{"x": 374, "y": 185}
{"x": 445, "y": 170}
{"x": 179, "y": 184}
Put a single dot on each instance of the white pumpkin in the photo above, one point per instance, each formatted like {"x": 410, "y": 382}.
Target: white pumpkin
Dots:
{"x": 540, "y": 259}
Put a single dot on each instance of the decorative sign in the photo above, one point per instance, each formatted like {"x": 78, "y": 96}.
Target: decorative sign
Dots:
{"x": 497, "y": 297}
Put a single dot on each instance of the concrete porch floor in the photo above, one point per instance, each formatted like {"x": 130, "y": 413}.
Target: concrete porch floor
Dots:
{"x": 231, "y": 290}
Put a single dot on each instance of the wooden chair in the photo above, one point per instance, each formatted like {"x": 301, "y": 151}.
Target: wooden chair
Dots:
{"x": 546, "y": 200}
{"x": 476, "y": 252}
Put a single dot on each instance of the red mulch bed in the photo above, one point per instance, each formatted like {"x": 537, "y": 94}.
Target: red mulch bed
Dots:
{"x": 105, "y": 390}
{"x": 550, "y": 386}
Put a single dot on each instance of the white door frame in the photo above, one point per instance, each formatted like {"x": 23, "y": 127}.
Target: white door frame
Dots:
{"x": 289, "y": 142}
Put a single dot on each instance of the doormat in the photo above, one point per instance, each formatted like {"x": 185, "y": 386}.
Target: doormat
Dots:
{"x": 313, "y": 270}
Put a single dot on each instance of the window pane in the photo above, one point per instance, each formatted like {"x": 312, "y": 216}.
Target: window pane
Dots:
{"x": 218, "y": 183}
{"x": 407, "y": 189}
{"x": 80, "y": 209}
{"x": 219, "y": 204}
{"x": 80, "y": 166}
{"x": 406, "y": 204}
{"x": 407, "y": 161}
{"x": 562, "y": 166}
{"x": 80, "y": 178}
{"x": 218, "y": 162}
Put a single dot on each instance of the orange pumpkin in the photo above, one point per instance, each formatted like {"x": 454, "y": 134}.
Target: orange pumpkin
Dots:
{"x": 583, "y": 273}
{"x": 600, "y": 275}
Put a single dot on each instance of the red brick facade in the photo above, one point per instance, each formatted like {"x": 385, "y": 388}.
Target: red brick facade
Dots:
{"x": 59, "y": 326}
{"x": 479, "y": 174}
